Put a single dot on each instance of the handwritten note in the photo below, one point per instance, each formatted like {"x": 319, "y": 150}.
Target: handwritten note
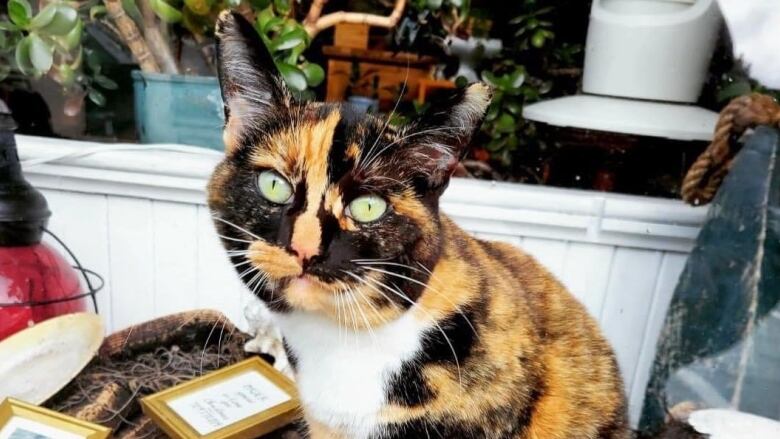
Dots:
{"x": 227, "y": 402}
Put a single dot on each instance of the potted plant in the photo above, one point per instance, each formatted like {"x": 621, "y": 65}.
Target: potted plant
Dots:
{"x": 42, "y": 49}
{"x": 177, "y": 97}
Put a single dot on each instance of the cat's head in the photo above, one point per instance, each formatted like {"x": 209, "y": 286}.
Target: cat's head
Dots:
{"x": 321, "y": 207}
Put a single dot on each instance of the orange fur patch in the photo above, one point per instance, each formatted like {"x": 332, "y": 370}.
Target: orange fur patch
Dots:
{"x": 273, "y": 261}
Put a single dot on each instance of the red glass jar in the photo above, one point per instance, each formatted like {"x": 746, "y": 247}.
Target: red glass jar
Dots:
{"x": 41, "y": 281}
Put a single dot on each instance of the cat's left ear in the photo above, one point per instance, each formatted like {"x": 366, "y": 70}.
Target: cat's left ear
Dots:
{"x": 442, "y": 134}
{"x": 253, "y": 91}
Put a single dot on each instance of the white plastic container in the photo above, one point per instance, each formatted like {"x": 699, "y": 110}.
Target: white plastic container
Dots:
{"x": 650, "y": 49}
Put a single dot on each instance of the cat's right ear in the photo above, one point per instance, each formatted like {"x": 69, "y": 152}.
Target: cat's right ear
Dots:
{"x": 253, "y": 92}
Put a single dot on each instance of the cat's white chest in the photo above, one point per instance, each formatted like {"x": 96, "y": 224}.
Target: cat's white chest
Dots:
{"x": 342, "y": 375}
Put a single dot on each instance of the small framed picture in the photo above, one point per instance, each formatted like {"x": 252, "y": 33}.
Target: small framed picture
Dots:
{"x": 19, "y": 420}
{"x": 242, "y": 401}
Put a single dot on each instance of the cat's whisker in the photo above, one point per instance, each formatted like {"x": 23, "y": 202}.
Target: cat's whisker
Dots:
{"x": 371, "y": 259}
{"x": 224, "y": 221}
{"x": 414, "y": 134}
{"x": 427, "y": 288}
{"x": 206, "y": 343}
{"x": 219, "y": 340}
{"x": 371, "y": 305}
{"x": 353, "y": 294}
{"x": 369, "y": 156}
{"x": 247, "y": 261}
{"x": 228, "y": 238}
{"x": 246, "y": 272}
{"x": 353, "y": 317}
{"x": 337, "y": 298}
{"x": 403, "y": 296}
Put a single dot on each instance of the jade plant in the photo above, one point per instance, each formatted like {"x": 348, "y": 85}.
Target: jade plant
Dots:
{"x": 275, "y": 21}
{"x": 49, "y": 42}
{"x": 287, "y": 39}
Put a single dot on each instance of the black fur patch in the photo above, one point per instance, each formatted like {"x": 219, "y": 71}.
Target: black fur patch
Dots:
{"x": 408, "y": 386}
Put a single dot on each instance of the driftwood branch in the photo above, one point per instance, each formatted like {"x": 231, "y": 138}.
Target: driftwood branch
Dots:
{"x": 156, "y": 41}
{"x": 129, "y": 33}
{"x": 315, "y": 22}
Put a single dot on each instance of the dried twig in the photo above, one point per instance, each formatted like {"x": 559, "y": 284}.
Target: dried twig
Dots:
{"x": 315, "y": 22}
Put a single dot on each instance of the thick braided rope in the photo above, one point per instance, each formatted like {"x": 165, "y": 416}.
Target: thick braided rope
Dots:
{"x": 708, "y": 171}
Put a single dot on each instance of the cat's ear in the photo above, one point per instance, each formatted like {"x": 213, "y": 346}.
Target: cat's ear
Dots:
{"x": 442, "y": 134}
{"x": 253, "y": 92}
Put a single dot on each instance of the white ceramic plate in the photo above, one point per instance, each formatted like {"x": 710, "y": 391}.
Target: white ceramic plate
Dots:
{"x": 39, "y": 361}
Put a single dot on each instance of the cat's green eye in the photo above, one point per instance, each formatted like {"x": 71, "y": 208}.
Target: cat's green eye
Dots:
{"x": 274, "y": 187}
{"x": 366, "y": 208}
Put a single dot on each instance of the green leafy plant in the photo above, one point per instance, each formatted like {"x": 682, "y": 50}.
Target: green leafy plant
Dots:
{"x": 49, "y": 42}
{"x": 275, "y": 21}
{"x": 518, "y": 78}
{"x": 287, "y": 39}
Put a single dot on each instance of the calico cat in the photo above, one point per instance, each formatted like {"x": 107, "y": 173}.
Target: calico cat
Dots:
{"x": 397, "y": 322}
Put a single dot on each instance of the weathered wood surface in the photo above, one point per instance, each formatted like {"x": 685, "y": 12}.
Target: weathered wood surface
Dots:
{"x": 719, "y": 346}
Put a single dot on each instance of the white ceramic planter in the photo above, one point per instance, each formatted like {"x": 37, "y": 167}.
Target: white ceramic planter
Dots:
{"x": 139, "y": 218}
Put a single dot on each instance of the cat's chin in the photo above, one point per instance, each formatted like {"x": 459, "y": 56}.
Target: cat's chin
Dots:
{"x": 307, "y": 294}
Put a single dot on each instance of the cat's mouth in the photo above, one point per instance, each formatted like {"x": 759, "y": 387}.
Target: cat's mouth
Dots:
{"x": 300, "y": 289}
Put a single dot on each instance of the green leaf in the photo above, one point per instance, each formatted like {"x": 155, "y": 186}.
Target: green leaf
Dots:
{"x": 293, "y": 76}
{"x": 63, "y": 22}
{"x": 490, "y": 78}
{"x": 44, "y": 17}
{"x": 273, "y": 25}
{"x": 314, "y": 74}
{"x": 41, "y": 53}
{"x": 282, "y": 6}
{"x": 131, "y": 8}
{"x": 492, "y": 113}
{"x": 540, "y": 37}
{"x": 66, "y": 73}
{"x": 495, "y": 144}
{"x": 505, "y": 123}
{"x": 97, "y": 97}
{"x": 73, "y": 38}
{"x": 289, "y": 39}
{"x": 20, "y": 12}
{"x": 5, "y": 70}
{"x": 517, "y": 78}
{"x": 514, "y": 108}
{"x": 166, "y": 12}
{"x": 199, "y": 7}
{"x": 259, "y": 4}
{"x": 106, "y": 82}
{"x": 434, "y": 4}
{"x": 97, "y": 11}
{"x": 22, "y": 57}
{"x": 93, "y": 61}
{"x": 733, "y": 90}
{"x": 263, "y": 17}
{"x": 7, "y": 25}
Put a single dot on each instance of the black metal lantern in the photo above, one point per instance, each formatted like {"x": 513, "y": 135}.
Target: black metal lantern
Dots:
{"x": 36, "y": 282}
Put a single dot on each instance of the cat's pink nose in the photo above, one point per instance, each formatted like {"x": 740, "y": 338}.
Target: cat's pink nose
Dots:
{"x": 304, "y": 252}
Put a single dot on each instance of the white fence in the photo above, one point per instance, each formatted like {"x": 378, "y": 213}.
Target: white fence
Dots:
{"x": 139, "y": 219}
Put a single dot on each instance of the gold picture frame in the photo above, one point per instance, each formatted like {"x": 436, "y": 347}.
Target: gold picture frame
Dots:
{"x": 171, "y": 408}
{"x": 19, "y": 419}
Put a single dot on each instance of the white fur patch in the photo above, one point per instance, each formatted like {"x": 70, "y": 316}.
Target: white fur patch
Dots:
{"x": 342, "y": 375}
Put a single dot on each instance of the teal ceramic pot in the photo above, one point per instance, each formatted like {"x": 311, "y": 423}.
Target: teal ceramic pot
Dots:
{"x": 178, "y": 109}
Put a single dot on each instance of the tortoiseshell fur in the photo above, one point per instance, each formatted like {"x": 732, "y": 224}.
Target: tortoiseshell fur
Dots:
{"x": 405, "y": 327}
